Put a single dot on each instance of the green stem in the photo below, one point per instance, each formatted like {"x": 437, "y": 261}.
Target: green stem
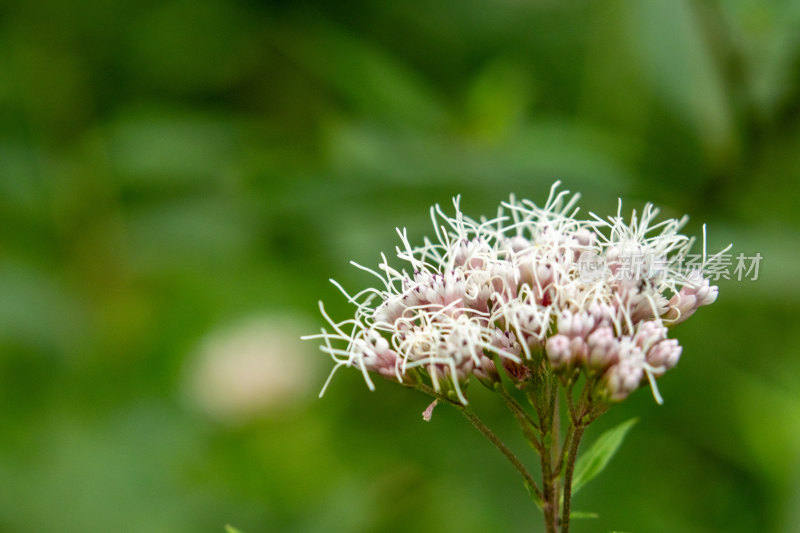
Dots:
{"x": 564, "y": 447}
{"x": 430, "y": 391}
{"x": 489, "y": 434}
{"x": 526, "y": 422}
{"x": 550, "y": 504}
{"x": 516, "y": 405}
{"x": 494, "y": 439}
{"x": 580, "y": 417}
{"x": 555, "y": 429}
{"x": 577, "y": 433}
{"x": 546, "y": 418}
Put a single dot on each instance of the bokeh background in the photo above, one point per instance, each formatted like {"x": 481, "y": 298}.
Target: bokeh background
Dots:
{"x": 180, "y": 178}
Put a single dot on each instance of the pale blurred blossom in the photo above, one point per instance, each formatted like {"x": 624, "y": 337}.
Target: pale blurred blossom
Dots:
{"x": 251, "y": 368}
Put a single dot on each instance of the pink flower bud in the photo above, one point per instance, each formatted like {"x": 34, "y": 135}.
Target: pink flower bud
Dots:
{"x": 664, "y": 356}
{"x": 558, "y": 350}
{"x": 578, "y": 350}
{"x": 602, "y": 313}
{"x": 648, "y": 333}
{"x": 377, "y": 355}
{"x": 526, "y": 317}
{"x": 575, "y": 324}
{"x": 623, "y": 378}
{"x": 384, "y": 363}
{"x": 684, "y": 303}
{"x": 681, "y": 306}
{"x": 603, "y": 348}
{"x": 706, "y": 293}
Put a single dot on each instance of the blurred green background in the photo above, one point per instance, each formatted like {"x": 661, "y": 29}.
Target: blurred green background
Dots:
{"x": 179, "y": 179}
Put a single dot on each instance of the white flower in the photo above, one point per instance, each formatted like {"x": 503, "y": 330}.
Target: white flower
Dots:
{"x": 513, "y": 288}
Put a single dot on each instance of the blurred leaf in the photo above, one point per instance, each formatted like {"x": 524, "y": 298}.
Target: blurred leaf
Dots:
{"x": 613, "y": 92}
{"x": 366, "y": 75}
{"x": 768, "y": 415}
{"x": 22, "y": 183}
{"x": 191, "y": 46}
{"x": 778, "y": 245}
{"x": 768, "y": 39}
{"x": 581, "y": 154}
{"x": 577, "y": 153}
{"x": 676, "y": 57}
{"x": 595, "y": 459}
{"x": 498, "y": 98}
{"x": 582, "y": 515}
{"x": 231, "y": 529}
{"x": 134, "y": 469}
{"x": 191, "y": 234}
{"x": 38, "y": 309}
{"x": 155, "y": 147}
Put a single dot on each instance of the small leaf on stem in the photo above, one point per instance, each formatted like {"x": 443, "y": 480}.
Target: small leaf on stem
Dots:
{"x": 595, "y": 459}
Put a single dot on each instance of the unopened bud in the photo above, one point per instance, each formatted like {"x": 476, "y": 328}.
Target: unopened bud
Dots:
{"x": 575, "y": 324}
{"x": 603, "y": 348}
{"x": 622, "y": 379}
{"x": 648, "y": 333}
{"x": 664, "y": 355}
{"x": 558, "y": 350}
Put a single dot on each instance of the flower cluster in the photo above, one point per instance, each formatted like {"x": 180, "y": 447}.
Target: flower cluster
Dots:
{"x": 513, "y": 291}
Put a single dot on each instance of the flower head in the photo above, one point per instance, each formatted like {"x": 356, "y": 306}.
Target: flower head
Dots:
{"x": 534, "y": 287}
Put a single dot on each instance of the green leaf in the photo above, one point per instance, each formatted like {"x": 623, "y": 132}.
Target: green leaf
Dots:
{"x": 677, "y": 58}
{"x": 580, "y": 515}
{"x": 231, "y": 529}
{"x": 595, "y": 459}
{"x": 362, "y": 72}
